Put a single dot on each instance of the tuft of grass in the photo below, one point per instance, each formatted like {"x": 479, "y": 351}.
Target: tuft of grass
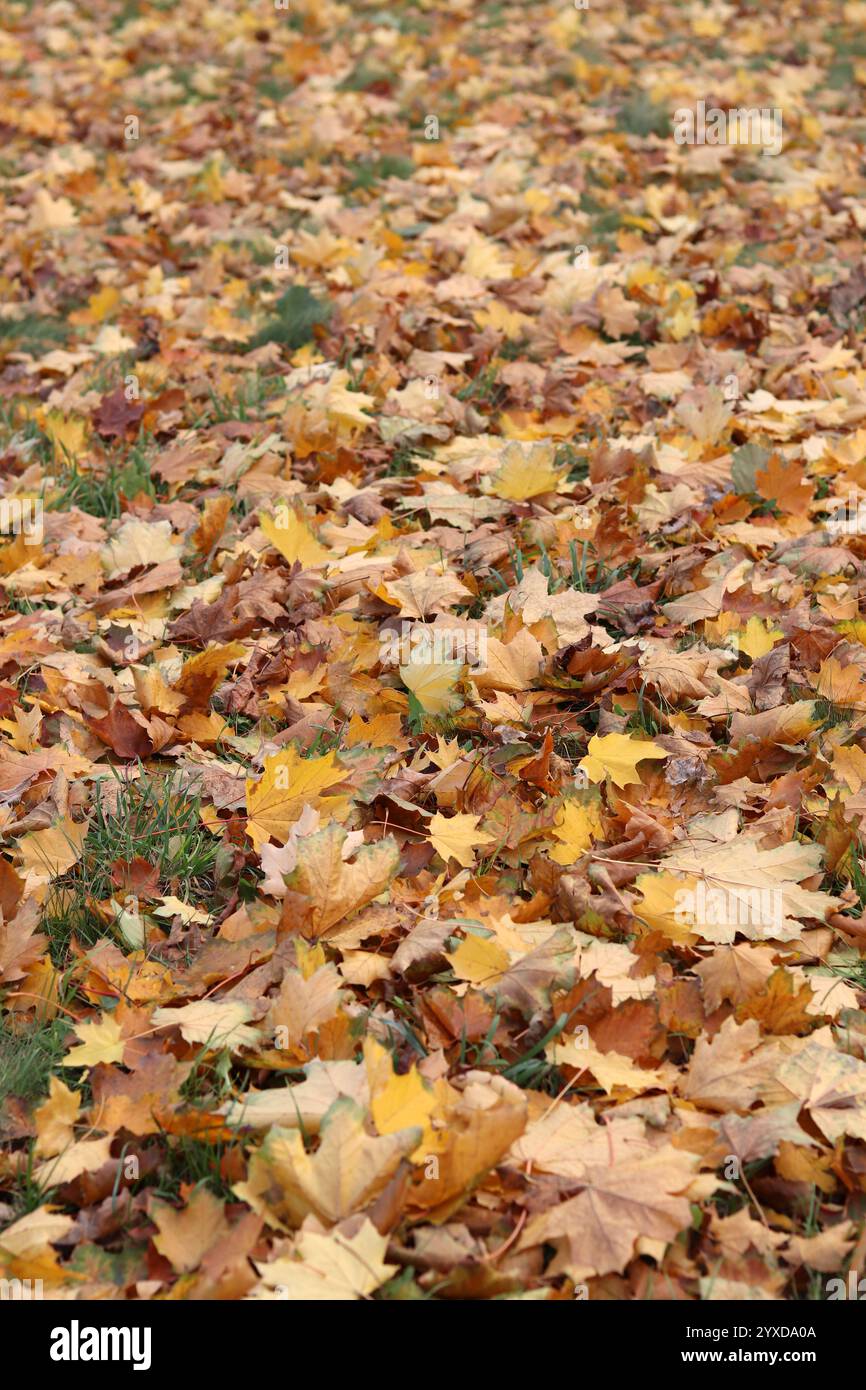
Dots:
{"x": 366, "y": 173}
{"x": 22, "y": 1192}
{"x": 245, "y": 402}
{"x": 851, "y": 872}
{"x": 151, "y": 820}
{"x": 198, "y": 1162}
{"x": 298, "y": 314}
{"x": 402, "y": 462}
{"x": 639, "y": 116}
{"x": 484, "y": 388}
{"x": 600, "y": 578}
{"x": 364, "y": 76}
{"x": 67, "y": 914}
{"x": 156, "y": 821}
{"x": 28, "y": 1057}
{"x": 829, "y": 713}
{"x": 32, "y": 333}
{"x": 576, "y": 462}
{"x": 99, "y": 494}
{"x": 22, "y": 435}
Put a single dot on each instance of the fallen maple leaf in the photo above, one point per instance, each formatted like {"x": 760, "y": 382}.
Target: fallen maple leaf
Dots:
{"x": 116, "y": 416}
{"x": 122, "y": 732}
{"x": 621, "y": 1203}
{"x": 526, "y": 473}
{"x": 53, "y": 851}
{"x": 20, "y": 946}
{"x": 56, "y": 1118}
{"x": 344, "y": 1174}
{"x": 434, "y": 685}
{"x": 398, "y": 1101}
{"x": 479, "y": 960}
{"x": 831, "y": 1085}
{"x": 84, "y": 1156}
{"x": 477, "y": 1126}
{"x": 138, "y": 543}
{"x": 577, "y": 825}
{"x": 334, "y": 888}
{"x": 303, "y": 1105}
{"x": 457, "y": 837}
{"x": 292, "y": 537}
{"x": 333, "y": 1267}
{"x": 288, "y": 784}
{"x": 186, "y": 1236}
{"x": 617, "y": 756}
{"x": 218, "y": 1023}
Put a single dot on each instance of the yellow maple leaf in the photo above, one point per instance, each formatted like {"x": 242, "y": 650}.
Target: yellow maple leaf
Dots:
{"x": 67, "y": 434}
{"x": 334, "y": 888}
{"x": 34, "y": 1233}
{"x": 332, "y": 1268}
{"x": 185, "y": 1236}
{"x": 510, "y": 665}
{"x": 203, "y": 729}
{"x": 53, "y": 851}
{"x": 456, "y": 837}
{"x": 854, "y": 630}
{"x": 397, "y": 1102}
{"x": 484, "y": 259}
{"x": 85, "y": 1156}
{"x": 480, "y": 1123}
{"x": 49, "y": 214}
{"x": 576, "y": 826}
{"x": 310, "y": 958}
{"x": 849, "y": 766}
{"x": 446, "y": 753}
{"x": 216, "y": 1023}
{"x": 664, "y": 897}
{"x": 19, "y": 553}
{"x": 291, "y": 536}
{"x": 617, "y": 756}
{"x": 757, "y": 638}
{"x": 203, "y": 672}
{"x": 302, "y": 684}
{"x": 479, "y": 959}
{"x": 99, "y": 306}
{"x": 55, "y": 1118}
{"x": 382, "y": 731}
{"x": 528, "y": 427}
{"x": 347, "y": 407}
{"x": 502, "y": 320}
{"x": 612, "y": 1070}
{"x": 434, "y": 685}
{"x": 101, "y": 1041}
{"x": 841, "y": 685}
{"x": 290, "y": 782}
{"x": 526, "y": 473}
{"x": 110, "y": 341}
{"x": 23, "y": 728}
{"x": 348, "y": 1169}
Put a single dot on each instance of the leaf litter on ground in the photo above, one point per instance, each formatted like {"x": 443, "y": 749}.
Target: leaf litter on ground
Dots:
{"x": 433, "y": 689}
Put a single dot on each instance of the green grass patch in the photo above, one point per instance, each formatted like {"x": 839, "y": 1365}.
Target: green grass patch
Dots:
{"x": 150, "y": 820}
{"x": 28, "y": 1057}
{"x": 298, "y": 314}
{"x": 33, "y": 333}
{"x": 640, "y": 116}
{"x": 153, "y": 820}
{"x": 99, "y": 494}
{"x": 366, "y": 173}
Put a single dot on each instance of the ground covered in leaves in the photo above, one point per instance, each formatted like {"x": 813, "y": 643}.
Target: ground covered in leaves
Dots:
{"x": 433, "y": 697}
